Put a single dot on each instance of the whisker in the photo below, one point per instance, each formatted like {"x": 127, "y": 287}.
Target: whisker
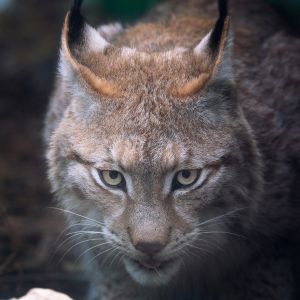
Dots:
{"x": 225, "y": 232}
{"x": 66, "y": 229}
{"x": 115, "y": 256}
{"x": 83, "y": 224}
{"x": 198, "y": 248}
{"x": 181, "y": 248}
{"x": 121, "y": 257}
{"x": 85, "y": 232}
{"x": 188, "y": 252}
{"x": 72, "y": 247}
{"x": 230, "y": 213}
{"x": 76, "y": 214}
{"x": 211, "y": 243}
{"x": 109, "y": 254}
{"x": 91, "y": 248}
{"x": 76, "y": 234}
{"x": 70, "y": 238}
{"x": 101, "y": 253}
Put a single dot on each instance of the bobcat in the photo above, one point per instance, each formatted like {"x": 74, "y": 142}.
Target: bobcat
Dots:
{"x": 174, "y": 151}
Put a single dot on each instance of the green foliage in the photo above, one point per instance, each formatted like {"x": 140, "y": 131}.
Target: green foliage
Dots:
{"x": 130, "y": 10}
{"x": 124, "y": 10}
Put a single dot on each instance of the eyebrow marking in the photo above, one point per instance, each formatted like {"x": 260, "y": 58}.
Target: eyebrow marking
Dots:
{"x": 76, "y": 156}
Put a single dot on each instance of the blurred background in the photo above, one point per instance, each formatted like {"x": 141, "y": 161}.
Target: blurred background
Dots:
{"x": 29, "y": 230}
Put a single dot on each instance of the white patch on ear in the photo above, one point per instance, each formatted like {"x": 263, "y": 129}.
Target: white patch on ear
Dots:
{"x": 225, "y": 66}
{"x": 202, "y": 46}
{"x": 110, "y": 30}
{"x": 72, "y": 85}
{"x": 93, "y": 42}
{"x": 68, "y": 77}
{"x": 93, "y": 39}
{"x": 64, "y": 68}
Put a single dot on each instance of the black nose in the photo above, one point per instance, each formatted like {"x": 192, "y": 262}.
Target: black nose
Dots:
{"x": 149, "y": 248}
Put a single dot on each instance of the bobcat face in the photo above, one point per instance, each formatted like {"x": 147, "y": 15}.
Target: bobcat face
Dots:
{"x": 166, "y": 167}
{"x": 153, "y": 191}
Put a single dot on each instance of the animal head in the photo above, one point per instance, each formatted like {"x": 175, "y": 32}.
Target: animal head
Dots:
{"x": 153, "y": 146}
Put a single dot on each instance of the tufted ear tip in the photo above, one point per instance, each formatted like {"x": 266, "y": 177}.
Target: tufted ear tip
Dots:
{"x": 213, "y": 41}
{"x": 221, "y": 27}
{"x": 223, "y": 8}
{"x": 213, "y": 53}
{"x": 76, "y": 5}
{"x": 74, "y": 22}
{"x": 79, "y": 40}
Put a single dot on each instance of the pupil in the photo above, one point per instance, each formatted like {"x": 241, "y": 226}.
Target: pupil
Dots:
{"x": 186, "y": 173}
{"x": 113, "y": 174}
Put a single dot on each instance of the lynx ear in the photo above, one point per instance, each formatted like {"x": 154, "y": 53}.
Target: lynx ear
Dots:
{"x": 213, "y": 54}
{"x": 78, "y": 41}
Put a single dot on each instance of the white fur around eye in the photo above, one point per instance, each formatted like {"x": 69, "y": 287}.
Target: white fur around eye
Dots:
{"x": 96, "y": 176}
{"x": 104, "y": 185}
{"x": 204, "y": 173}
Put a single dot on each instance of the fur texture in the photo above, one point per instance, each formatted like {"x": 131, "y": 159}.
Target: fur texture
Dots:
{"x": 154, "y": 99}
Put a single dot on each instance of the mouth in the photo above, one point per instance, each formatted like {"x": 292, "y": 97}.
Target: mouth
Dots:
{"x": 153, "y": 265}
{"x": 150, "y": 271}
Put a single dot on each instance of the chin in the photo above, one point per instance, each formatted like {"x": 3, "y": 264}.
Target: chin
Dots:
{"x": 159, "y": 276}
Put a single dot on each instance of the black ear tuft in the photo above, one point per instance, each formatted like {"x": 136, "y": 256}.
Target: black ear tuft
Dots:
{"x": 76, "y": 22}
{"x": 223, "y": 9}
{"x": 216, "y": 34}
{"x": 76, "y": 5}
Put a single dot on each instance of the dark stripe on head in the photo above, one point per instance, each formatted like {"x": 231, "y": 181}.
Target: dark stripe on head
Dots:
{"x": 216, "y": 34}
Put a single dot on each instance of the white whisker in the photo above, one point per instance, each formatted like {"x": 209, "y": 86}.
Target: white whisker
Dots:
{"x": 76, "y": 214}
{"x": 76, "y": 234}
{"x": 71, "y": 226}
{"x": 224, "y": 232}
{"x": 72, "y": 247}
{"x": 85, "y": 232}
{"x": 101, "y": 253}
{"x": 198, "y": 248}
{"x": 115, "y": 256}
{"x": 121, "y": 257}
{"x": 230, "y": 213}
{"x": 91, "y": 248}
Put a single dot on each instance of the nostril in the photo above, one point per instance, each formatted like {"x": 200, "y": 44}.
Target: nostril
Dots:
{"x": 149, "y": 248}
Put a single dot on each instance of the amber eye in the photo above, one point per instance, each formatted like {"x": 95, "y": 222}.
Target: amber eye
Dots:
{"x": 185, "y": 178}
{"x": 112, "y": 178}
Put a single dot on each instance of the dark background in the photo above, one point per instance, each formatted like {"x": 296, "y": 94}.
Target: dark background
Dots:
{"x": 29, "y": 39}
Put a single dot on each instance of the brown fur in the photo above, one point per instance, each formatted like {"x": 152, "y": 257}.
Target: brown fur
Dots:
{"x": 243, "y": 132}
{"x": 96, "y": 83}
